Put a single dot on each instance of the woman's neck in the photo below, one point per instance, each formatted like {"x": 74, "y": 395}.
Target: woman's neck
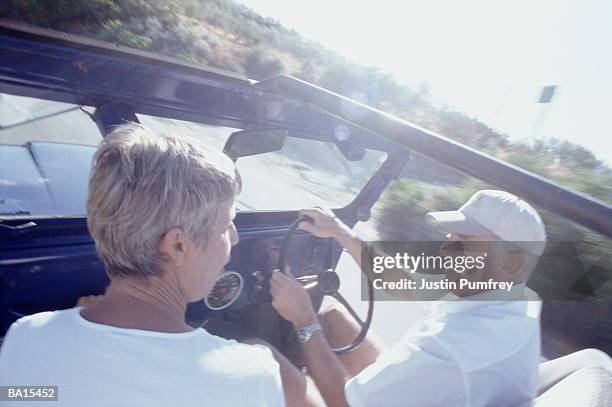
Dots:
{"x": 150, "y": 304}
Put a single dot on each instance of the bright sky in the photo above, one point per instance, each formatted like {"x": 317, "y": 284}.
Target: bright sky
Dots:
{"x": 486, "y": 58}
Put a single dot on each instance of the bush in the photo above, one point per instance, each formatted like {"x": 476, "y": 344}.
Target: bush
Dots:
{"x": 260, "y": 63}
{"x": 402, "y": 214}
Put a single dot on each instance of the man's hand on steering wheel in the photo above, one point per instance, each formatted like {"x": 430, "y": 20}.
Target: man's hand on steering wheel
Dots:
{"x": 291, "y": 300}
{"x": 322, "y": 223}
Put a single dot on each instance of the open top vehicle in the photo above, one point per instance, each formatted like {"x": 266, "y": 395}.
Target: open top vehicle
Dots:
{"x": 296, "y": 145}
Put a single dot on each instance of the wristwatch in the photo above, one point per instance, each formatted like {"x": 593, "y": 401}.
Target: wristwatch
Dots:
{"x": 306, "y": 332}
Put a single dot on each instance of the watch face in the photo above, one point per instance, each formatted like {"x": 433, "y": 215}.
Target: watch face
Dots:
{"x": 303, "y": 336}
{"x": 305, "y": 333}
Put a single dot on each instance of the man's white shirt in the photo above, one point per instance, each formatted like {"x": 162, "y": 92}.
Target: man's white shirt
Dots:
{"x": 478, "y": 352}
{"x": 101, "y": 365}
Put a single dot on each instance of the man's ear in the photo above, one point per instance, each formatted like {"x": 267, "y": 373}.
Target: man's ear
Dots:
{"x": 513, "y": 263}
{"x": 173, "y": 246}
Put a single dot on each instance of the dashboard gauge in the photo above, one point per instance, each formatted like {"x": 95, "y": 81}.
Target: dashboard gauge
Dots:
{"x": 225, "y": 292}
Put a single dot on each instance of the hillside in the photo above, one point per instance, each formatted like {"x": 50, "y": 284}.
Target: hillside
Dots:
{"x": 226, "y": 35}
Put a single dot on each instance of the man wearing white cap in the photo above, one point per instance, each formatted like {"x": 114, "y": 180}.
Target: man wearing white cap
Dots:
{"x": 496, "y": 214}
{"x": 480, "y": 350}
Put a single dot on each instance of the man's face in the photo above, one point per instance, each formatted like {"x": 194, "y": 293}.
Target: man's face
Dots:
{"x": 458, "y": 246}
{"x": 203, "y": 265}
{"x": 502, "y": 261}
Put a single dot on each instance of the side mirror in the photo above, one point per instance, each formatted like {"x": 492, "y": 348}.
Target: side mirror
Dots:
{"x": 253, "y": 142}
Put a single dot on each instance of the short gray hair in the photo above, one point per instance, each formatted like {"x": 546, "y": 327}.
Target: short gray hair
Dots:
{"x": 142, "y": 185}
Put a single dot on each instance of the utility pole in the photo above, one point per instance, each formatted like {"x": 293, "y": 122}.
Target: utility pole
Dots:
{"x": 546, "y": 96}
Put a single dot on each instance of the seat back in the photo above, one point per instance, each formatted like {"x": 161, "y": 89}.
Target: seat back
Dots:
{"x": 589, "y": 386}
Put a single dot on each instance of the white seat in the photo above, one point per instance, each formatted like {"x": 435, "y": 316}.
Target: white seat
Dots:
{"x": 587, "y": 387}
{"x": 581, "y": 379}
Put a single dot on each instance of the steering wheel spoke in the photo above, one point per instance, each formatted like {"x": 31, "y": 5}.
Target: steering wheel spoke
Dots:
{"x": 338, "y": 297}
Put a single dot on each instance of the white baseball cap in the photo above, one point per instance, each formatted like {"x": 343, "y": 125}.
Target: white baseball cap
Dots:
{"x": 497, "y": 213}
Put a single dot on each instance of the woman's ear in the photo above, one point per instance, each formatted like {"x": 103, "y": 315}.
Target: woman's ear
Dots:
{"x": 173, "y": 246}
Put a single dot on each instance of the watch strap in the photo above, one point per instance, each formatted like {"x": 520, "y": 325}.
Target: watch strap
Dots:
{"x": 304, "y": 334}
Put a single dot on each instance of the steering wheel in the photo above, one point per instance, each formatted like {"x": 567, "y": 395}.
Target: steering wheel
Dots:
{"x": 327, "y": 283}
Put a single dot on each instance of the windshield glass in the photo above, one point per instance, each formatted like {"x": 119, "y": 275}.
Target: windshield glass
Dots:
{"x": 303, "y": 173}
{"x": 45, "y": 154}
{"x": 46, "y": 150}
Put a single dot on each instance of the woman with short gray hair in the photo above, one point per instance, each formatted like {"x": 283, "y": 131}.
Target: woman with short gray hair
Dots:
{"x": 160, "y": 210}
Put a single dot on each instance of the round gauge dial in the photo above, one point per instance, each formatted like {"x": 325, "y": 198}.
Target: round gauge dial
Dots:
{"x": 225, "y": 292}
